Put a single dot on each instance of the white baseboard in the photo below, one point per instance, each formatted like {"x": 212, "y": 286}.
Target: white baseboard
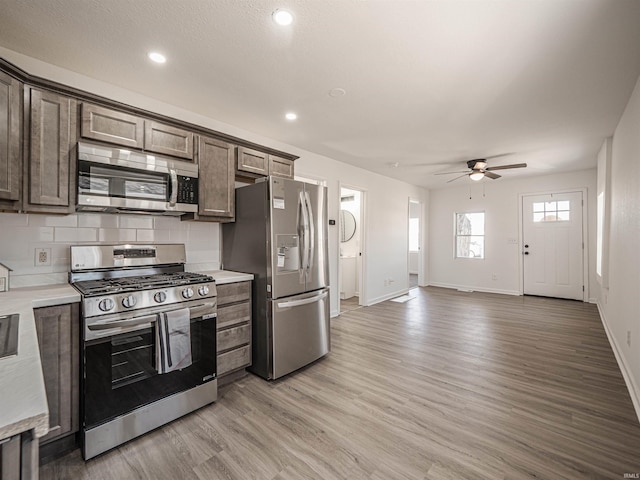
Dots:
{"x": 388, "y": 296}
{"x": 468, "y": 288}
{"x": 334, "y": 313}
{"x": 633, "y": 389}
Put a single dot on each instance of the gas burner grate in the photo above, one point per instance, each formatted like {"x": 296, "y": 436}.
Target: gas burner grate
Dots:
{"x": 144, "y": 282}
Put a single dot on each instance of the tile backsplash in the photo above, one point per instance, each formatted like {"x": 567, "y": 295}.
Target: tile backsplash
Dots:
{"x": 21, "y": 234}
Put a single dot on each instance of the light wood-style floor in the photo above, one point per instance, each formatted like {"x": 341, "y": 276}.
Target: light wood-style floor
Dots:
{"x": 449, "y": 385}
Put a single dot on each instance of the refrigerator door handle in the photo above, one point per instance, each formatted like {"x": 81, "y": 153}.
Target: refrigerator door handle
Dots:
{"x": 304, "y": 236}
{"x": 312, "y": 234}
{"x": 304, "y": 301}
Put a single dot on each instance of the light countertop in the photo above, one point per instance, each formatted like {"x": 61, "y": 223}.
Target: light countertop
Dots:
{"x": 23, "y": 400}
{"x": 225, "y": 276}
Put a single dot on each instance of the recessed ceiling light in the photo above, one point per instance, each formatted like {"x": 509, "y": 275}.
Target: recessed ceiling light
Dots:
{"x": 337, "y": 92}
{"x": 291, "y": 116}
{"x": 282, "y": 17}
{"x": 157, "y": 57}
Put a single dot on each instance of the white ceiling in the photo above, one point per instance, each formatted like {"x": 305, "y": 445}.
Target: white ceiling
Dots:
{"x": 429, "y": 84}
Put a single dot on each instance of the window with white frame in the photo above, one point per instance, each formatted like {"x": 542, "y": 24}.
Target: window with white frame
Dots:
{"x": 469, "y": 235}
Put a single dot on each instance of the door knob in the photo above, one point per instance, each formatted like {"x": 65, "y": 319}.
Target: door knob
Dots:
{"x": 526, "y": 253}
{"x": 526, "y": 246}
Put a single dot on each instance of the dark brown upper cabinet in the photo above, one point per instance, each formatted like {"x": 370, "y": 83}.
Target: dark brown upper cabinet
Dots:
{"x": 50, "y": 169}
{"x": 161, "y": 138}
{"x": 112, "y": 126}
{"x": 280, "y": 167}
{"x": 10, "y": 142}
{"x": 108, "y": 125}
{"x": 216, "y": 181}
{"x": 254, "y": 163}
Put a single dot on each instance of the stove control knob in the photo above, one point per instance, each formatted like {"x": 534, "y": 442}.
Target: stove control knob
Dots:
{"x": 106, "y": 304}
{"x": 129, "y": 301}
{"x": 160, "y": 297}
{"x": 203, "y": 290}
{"x": 187, "y": 292}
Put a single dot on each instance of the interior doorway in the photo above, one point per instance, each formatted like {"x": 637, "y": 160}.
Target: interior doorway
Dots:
{"x": 415, "y": 242}
{"x": 553, "y": 245}
{"x": 351, "y": 248}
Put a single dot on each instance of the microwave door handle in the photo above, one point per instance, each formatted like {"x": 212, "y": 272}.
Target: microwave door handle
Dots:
{"x": 173, "y": 198}
{"x": 131, "y": 322}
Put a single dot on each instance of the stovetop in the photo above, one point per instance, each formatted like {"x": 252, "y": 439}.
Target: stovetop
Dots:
{"x": 108, "y": 286}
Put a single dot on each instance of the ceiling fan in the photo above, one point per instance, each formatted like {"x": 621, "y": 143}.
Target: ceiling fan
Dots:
{"x": 479, "y": 170}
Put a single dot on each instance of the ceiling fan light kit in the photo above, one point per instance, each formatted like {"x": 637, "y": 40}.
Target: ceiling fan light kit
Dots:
{"x": 479, "y": 170}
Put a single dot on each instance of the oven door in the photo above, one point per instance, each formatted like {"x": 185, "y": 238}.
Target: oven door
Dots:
{"x": 119, "y": 371}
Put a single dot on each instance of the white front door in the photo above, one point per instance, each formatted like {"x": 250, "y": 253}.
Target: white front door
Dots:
{"x": 552, "y": 245}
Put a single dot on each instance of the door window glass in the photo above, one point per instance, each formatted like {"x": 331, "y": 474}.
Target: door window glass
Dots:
{"x": 552, "y": 211}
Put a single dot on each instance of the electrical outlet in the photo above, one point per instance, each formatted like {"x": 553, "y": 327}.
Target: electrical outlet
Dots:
{"x": 43, "y": 257}
{"x": 386, "y": 282}
{"x": 629, "y": 338}
{"x": 391, "y": 280}
{"x": 494, "y": 276}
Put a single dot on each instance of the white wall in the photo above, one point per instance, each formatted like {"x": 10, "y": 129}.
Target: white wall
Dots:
{"x": 385, "y": 209}
{"x": 620, "y": 303}
{"x": 500, "y": 203}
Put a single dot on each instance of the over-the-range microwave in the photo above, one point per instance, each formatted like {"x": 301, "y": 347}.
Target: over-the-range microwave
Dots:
{"x": 117, "y": 180}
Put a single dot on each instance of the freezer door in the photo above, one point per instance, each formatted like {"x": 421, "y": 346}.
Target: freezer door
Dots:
{"x": 300, "y": 331}
{"x": 317, "y": 267}
{"x": 289, "y": 226}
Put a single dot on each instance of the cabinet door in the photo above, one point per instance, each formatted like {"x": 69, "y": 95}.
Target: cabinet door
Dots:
{"x": 10, "y": 145}
{"x": 111, "y": 126}
{"x": 160, "y": 138}
{"x": 51, "y": 169}
{"x": 252, "y": 161}
{"x": 216, "y": 193}
{"x": 58, "y": 337}
{"x": 233, "y": 292}
{"x": 280, "y": 167}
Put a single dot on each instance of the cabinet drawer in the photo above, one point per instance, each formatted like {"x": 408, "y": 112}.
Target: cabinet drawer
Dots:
{"x": 233, "y": 314}
{"x": 234, "y": 359}
{"x": 280, "y": 167}
{"x": 252, "y": 161}
{"x": 234, "y": 337}
{"x": 169, "y": 140}
{"x": 108, "y": 125}
{"x": 233, "y": 292}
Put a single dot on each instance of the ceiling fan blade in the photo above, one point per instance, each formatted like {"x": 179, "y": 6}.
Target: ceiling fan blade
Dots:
{"x": 454, "y": 179}
{"x": 491, "y": 175}
{"x": 504, "y": 167}
{"x": 449, "y": 173}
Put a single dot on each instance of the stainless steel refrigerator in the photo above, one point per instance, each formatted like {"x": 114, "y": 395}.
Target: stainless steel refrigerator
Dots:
{"x": 280, "y": 236}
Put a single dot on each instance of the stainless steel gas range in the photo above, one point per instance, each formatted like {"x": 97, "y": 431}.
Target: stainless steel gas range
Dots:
{"x": 149, "y": 340}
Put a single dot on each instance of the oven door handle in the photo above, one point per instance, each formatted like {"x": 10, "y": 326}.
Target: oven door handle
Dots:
{"x": 131, "y": 322}
{"x": 200, "y": 310}
{"x": 207, "y": 309}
